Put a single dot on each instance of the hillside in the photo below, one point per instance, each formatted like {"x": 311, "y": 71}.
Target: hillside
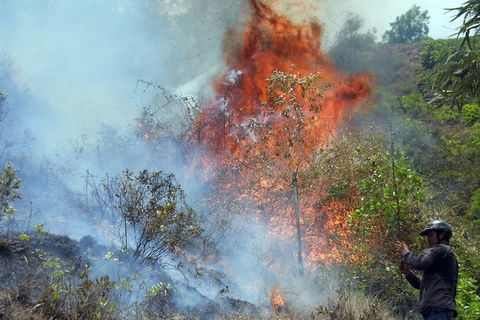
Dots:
{"x": 280, "y": 197}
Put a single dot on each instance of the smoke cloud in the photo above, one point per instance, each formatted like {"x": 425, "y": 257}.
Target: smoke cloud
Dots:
{"x": 81, "y": 59}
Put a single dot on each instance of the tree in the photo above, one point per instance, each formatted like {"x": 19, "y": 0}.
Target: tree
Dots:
{"x": 470, "y": 11}
{"x": 147, "y": 211}
{"x": 458, "y": 83}
{"x": 351, "y": 48}
{"x": 169, "y": 115}
{"x": 296, "y": 99}
{"x": 411, "y": 26}
{"x": 9, "y": 185}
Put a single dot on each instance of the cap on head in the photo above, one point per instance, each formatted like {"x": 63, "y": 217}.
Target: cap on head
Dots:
{"x": 438, "y": 225}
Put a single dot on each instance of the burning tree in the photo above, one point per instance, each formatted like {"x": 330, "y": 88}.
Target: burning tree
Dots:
{"x": 286, "y": 135}
{"x": 268, "y": 122}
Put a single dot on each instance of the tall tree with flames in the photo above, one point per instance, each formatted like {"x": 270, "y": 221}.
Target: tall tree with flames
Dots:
{"x": 287, "y": 135}
{"x": 268, "y": 121}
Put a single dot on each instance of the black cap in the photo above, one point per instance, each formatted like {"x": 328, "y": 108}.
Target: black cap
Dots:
{"x": 438, "y": 225}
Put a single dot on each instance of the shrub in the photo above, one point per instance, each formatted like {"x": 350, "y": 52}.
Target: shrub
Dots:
{"x": 470, "y": 114}
{"x": 351, "y": 306}
{"x": 52, "y": 289}
{"x": 148, "y": 212}
{"x": 468, "y": 300}
{"x": 412, "y": 105}
{"x": 9, "y": 185}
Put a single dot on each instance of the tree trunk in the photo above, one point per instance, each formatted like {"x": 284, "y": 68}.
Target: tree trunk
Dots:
{"x": 297, "y": 218}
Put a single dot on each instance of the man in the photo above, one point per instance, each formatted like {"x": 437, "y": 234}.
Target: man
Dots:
{"x": 438, "y": 284}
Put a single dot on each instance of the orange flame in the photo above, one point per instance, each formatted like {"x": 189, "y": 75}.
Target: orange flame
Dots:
{"x": 270, "y": 41}
{"x": 276, "y": 299}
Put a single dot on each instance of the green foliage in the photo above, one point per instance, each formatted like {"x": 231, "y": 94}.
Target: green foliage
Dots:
{"x": 390, "y": 197}
{"x": 24, "y": 237}
{"x": 457, "y": 80}
{"x": 446, "y": 115}
{"x": 153, "y": 214}
{"x": 160, "y": 289}
{"x": 467, "y": 299}
{"x": 473, "y": 212}
{"x": 433, "y": 58}
{"x": 413, "y": 105}
{"x": 79, "y": 298}
{"x": 470, "y": 114}
{"x": 39, "y": 228}
{"x": 456, "y": 83}
{"x": 471, "y": 146}
{"x": 298, "y": 100}
{"x": 436, "y": 52}
{"x": 442, "y": 142}
{"x": 410, "y": 27}
{"x": 9, "y": 190}
{"x": 380, "y": 277}
{"x": 349, "y": 305}
{"x": 386, "y": 195}
{"x": 56, "y": 289}
{"x": 466, "y": 245}
{"x": 469, "y": 12}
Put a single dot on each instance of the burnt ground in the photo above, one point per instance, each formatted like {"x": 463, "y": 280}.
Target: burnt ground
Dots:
{"x": 21, "y": 259}
{"x": 27, "y": 277}
{"x": 27, "y": 266}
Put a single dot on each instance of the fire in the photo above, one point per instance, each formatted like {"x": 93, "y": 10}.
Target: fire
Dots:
{"x": 249, "y": 166}
{"x": 276, "y": 299}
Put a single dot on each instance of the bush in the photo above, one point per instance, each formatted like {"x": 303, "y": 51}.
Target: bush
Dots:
{"x": 413, "y": 105}
{"x": 51, "y": 288}
{"x": 9, "y": 185}
{"x": 473, "y": 212}
{"x": 351, "y": 306}
{"x": 148, "y": 212}
{"x": 446, "y": 114}
{"x": 468, "y": 300}
{"x": 470, "y": 114}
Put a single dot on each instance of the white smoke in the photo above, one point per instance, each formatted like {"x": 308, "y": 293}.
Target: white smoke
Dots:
{"x": 82, "y": 58}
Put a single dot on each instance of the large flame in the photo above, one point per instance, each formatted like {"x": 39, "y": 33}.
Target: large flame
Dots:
{"x": 270, "y": 42}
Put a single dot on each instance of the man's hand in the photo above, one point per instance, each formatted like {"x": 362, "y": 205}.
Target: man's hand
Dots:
{"x": 402, "y": 248}
{"x": 404, "y": 268}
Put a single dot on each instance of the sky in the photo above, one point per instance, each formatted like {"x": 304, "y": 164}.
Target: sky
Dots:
{"x": 81, "y": 59}
{"x": 379, "y": 14}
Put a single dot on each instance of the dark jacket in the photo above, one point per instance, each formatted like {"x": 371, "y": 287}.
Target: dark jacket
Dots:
{"x": 438, "y": 284}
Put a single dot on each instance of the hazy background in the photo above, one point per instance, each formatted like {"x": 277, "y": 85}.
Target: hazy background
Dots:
{"x": 379, "y": 14}
{"x": 82, "y": 58}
